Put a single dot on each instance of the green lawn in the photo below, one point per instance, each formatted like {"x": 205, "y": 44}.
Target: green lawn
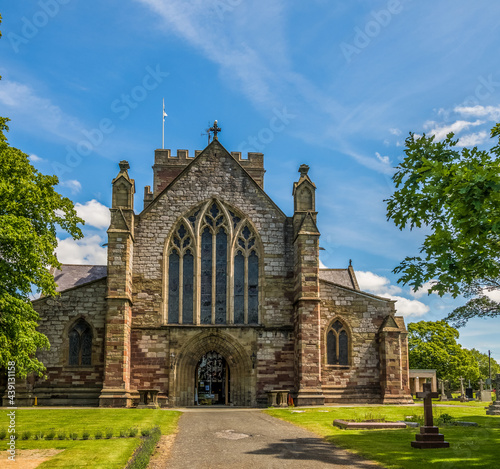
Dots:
{"x": 470, "y": 447}
{"x": 105, "y": 453}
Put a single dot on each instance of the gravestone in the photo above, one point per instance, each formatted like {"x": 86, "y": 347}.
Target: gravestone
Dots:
{"x": 462, "y": 392}
{"x": 483, "y": 395}
{"x": 429, "y": 436}
{"x": 443, "y": 396}
{"x": 494, "y": 409}
{"x": 469, "y": 393}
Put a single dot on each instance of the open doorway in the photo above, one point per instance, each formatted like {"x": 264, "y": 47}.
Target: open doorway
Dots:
{"x": 212, "y": 380}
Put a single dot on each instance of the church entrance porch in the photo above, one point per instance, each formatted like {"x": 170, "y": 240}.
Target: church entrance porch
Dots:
{"x": 212, "y": 380}
{"x": 217, "y": 359}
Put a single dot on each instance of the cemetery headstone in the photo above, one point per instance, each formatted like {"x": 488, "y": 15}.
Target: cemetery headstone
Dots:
{"x": 429, "y": 436}
{"x": 494, "y": 408}
{"x": 443, "y": 396}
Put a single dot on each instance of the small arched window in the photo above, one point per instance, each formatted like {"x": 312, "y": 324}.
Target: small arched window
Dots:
{"x": 80, "y": 343}
{"x": 337, "y": 345}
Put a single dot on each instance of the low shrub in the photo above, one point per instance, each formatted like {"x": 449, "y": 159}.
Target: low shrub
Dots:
{"x": 38, "y": 435}
{"x": 85, "y": 435}
{"x": 50, "y": 434}
{"x": 98, "y": 434}
{"x": 140, "y": 459}
{"x": 109, "y": 433}
{"x": 123, "y": 433}
{"x": 61, "y": 435}
{"x": 133, "y": 431}
{"x": 145, "y": 432}
{"x": 445, "y": 419}
{"x": 73, "y": 435}
{"x": 3, "y": 434}
{"x": 26, "y": 435}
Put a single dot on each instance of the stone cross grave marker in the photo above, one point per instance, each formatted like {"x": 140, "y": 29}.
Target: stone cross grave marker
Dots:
{"x": 481, "y": 383}
{"x": 429, "y": 436}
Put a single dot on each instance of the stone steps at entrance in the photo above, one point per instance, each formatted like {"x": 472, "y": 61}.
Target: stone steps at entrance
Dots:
{"x": 363, "y": 394}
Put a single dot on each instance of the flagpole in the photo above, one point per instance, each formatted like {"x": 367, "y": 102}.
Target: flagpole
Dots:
{"x": 163, "y": 127}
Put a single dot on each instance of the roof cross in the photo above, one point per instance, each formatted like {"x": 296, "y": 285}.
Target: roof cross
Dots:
{"x": 215, "y": 129}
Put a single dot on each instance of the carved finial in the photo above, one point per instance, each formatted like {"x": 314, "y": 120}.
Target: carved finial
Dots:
{"x": 124, "y": 165}
{"x": 215, "y": 129}
{"x": 303, "y": 170}
{"x": 350, "y": 262}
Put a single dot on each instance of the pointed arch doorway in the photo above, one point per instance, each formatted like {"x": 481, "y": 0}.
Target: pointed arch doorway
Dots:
{"x": 212, "y": 381}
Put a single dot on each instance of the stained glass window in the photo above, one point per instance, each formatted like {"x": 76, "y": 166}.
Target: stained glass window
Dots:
{"x": 239, "y": 289}
{"x": 173, "y": 288}
{"x": 208, "y": 251}
{"x": 187, "y": 290}
{"x": 221, "y": 277}
{"x": 337, "y": 345}
{"x": 80, "y": 343}
{"x": 206, "y": 277}
{"x": 331, "y": 348}
{"x": 253, "y": 288}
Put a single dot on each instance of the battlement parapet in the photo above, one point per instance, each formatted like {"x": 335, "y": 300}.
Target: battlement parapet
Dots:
{"x": 164, "y": 156}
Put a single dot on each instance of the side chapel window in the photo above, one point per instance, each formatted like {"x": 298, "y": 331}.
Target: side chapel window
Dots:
{"x": 80, "y": 343}
{"x": 337, "y": 345}
{"x": 211, "y": 235}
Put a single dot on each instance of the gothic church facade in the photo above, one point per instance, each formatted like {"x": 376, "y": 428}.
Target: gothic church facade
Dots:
{"x": 212, "y": 295}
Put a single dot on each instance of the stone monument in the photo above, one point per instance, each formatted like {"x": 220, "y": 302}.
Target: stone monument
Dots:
{"x": 429, "y": 436}
{"x": 443, "y": 396}
{"x": 462, "y": 392}
{"x": 483, "y": 395}
{"x": 494, "y": 409}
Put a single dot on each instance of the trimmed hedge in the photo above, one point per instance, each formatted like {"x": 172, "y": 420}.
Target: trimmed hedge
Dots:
{"x": 140, "y": 459}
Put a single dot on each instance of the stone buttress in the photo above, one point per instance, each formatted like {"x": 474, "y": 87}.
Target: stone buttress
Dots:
{"x": 116, "y": 388}
{"x": 306, "y": 294}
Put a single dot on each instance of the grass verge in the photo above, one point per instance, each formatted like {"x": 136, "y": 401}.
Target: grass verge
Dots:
{"x": 108, "y": 453}
{"x": 470, "y": 447}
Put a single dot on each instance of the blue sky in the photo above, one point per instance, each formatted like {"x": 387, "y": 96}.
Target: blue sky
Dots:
{"x": 335, "y": 85}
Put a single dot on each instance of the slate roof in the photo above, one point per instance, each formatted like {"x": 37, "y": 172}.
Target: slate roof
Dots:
{"x": 340, "y": 277}
{"x": 71, "y": 275}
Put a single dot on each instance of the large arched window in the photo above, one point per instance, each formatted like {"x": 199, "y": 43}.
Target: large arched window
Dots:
{"x": 337, "y": 344}
{"x": 80, "y": 343}
{"x": 208, "y": 247}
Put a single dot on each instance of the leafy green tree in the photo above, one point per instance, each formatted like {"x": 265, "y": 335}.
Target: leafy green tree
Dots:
{"x": 433, "y": 345}
{"x": 455, "y": 195}
{"x": 482, "y": 360}
{"x": 30, "y": 212}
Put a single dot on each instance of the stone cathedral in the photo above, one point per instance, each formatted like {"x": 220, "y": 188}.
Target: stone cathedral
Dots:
{"x": 212, "y": 295}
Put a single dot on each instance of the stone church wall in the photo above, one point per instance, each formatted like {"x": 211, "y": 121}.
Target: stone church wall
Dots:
{"x": 71, "y": 385}
{"x": 213, "y": 176}
{"x": 363, "y": 314}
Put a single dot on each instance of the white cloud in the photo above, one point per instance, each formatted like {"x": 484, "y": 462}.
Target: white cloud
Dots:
{"x": 94, "y": 213}
{"x": 73, "y": 185}
{"x": 493, "y": 295}
{"x": 87, "y": 251}
{"x": 36, "y": 159}
{"x": 395, "y": 131}
{"x": 376, "y": 284}
{"x": 382, "y": 159}
{"x": 473, "y": 140}
{"x": 38, "y": 113}
{"x": 440, "y": 132}
{"x": 491, "y": 113}
{"x": 423, "y": 290}
{"x": 381, "y": 286}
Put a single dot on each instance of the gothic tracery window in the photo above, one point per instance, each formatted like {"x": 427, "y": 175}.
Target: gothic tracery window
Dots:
{"x": 337, "y": 345}
{"x": 80, "y": 343}
{"x": 207, "y": 246}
